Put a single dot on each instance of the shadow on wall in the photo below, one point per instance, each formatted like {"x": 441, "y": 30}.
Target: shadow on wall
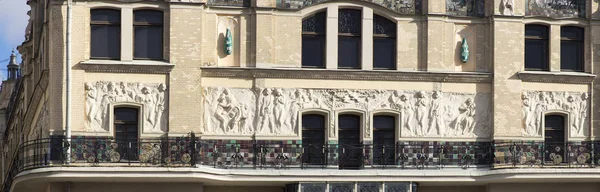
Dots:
{"x": 221, "y": 46}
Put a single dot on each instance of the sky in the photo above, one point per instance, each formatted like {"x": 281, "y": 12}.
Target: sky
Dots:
{"x": 13, "y": 20}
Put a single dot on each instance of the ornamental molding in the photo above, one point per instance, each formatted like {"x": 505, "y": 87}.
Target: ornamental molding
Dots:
{"x": 127, "y": 67}
{"x": 556, "y": 77}
{"x": 458, "y": 77}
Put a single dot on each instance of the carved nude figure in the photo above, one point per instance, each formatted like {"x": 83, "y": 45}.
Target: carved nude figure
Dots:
{"x": 539, "y": 112}
{"x": 107, "y": 98}
{"x": 148, "y": 102}
{"x": 530, "y": 129}
{"x": 222, "y": 110}
{"x": 278, "y": 111}
{"x": 573, "y": 109}
{"x": 265, "y": 110}
{"x": 159, "y": 106}
{"x": 92, "y": 107}
{"x": 436, "y": 114}
{"x": 295, "y": 107}
{"x": 407, "y": 111}
{"x": 582, "y": 113}
{"x": 421, "y": 110}
{"x": 465, "y": 122}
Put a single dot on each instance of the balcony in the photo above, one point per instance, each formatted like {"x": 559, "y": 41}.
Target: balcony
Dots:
{"x": 285, "y": 155}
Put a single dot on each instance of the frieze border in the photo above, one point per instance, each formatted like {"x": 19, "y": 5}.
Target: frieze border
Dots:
{"x": 459, "y": 77}
{"x": 127, "y": 68}
{"x": 557, "y": 77}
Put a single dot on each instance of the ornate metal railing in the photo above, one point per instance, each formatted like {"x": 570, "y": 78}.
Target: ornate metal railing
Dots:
{"x": 235, "y": 154}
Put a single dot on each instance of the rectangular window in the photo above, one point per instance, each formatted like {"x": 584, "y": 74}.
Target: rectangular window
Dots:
{"x": 148, "y": 35}
{"x": 384, "y": 43}
{"x": 349, "y": 38}
{"x": 536, "y": 48}
{"x": 105, "y": 40}
{"x": 571, "y": 48}
{"x": 313, "y": 41}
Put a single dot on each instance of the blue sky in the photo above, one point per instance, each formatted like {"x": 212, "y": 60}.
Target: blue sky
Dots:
{"x": 13, "y": 20}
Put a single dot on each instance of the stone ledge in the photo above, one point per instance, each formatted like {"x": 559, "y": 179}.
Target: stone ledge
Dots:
{"x": 341, "y": 74}
{"x": 556, "y": 77}
{"x": 138, "y": 66}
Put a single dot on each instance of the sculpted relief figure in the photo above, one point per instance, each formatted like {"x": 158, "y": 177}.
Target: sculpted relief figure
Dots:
{"x": 278, "y": 111}
{"x": 583, "y": 105}
{"x": 465, "y": 122}
{"x": 421, "y": 110}
{"x": 539, "y": 103}
{"x": 100, "y": 95}
{"x": 507, "y": 6}
{"x": 264, "y": 112}
{"x": 436, "y": 113}
{"x": 528, "y": 116}
{"x": 572, "y": 107}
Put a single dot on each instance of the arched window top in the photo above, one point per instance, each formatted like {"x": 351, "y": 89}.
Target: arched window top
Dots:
{"x": 536, "y": 31}
{"x": 383, "y": 26}
{"x": 105, "y": 15}
{"x": 384, "y": 122}
{"x": 571, "y": 33}
{"x": 349, "y": 21}
{"x": 313, "y": 121}
{"x": 349, "y": 121}
{"x": 315, "y": 23}
{"x": 148, "y": 16}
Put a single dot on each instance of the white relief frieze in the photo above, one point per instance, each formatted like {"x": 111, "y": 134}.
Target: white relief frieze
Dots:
{"x": 152, "y": 97}
{"x": 537, "y": 103}
{"x": 275, "y": 111}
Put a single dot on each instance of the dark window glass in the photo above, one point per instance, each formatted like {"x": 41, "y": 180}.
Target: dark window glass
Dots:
{"x": 349, "y": 40}
{"x": 384, "y": 43}
{"x": 105, "y": 41}
{"x": 571, "y": 48}
{"x": 536, "y": 47}
{"x": 313, "y": 41}
{"x": 313, "y": 139}
{"x": 554, "y": 141}
{"x": 384, "y": 140}
{"x": 148, "y": 34}
{"x": 126, "y": 132}
{"x": 350, "y": 148}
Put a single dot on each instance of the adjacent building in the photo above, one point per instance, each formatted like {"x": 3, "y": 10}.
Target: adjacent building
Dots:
{"x": 304, "y": 96}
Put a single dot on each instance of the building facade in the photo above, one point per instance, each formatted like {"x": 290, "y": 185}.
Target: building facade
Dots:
{"x": 305, "y": 95}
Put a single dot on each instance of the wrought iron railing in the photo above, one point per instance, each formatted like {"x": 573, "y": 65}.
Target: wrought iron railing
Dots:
{"x": 234, "y": 154}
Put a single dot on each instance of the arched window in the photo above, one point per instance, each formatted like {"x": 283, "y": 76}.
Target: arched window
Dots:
{"x": 536, "y": 47}
{"x": 384, "y": 139}
{"x": 349, "y": 38}
{"x": 105, "y": 37}
{"x": 313, "y": 138}
{"x": 126, "y": 125}
{"x": 554, "y": 138}
{"x": 148, "y": 34}
{"x": 384, "y": 43}
{"x": 350, "y": 147}
{"x": 571, "y": 48}
{"x": 313, "y": 41}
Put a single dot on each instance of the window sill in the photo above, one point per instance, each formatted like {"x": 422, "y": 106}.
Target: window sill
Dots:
{"x": 136, "y": 66}
{"x": 556, "y": 77}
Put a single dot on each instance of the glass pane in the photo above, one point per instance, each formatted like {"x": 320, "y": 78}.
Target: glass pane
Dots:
{"x": 537, "y": 31}
{"x": 349, "y": 52}
{"x": 349, "y": 21}
{"x": 107, "y": 15}
{"x": 148, "y": 42}
{"x": 315, "y": 23}
{"x": 348, "y": 121}
{"x": 105, "y": 41}
{"x": 312, "y": 187}
{"x": 396, "y": 187}
{"x": 313, "y": 121}
{"x": 382, "y": 25}
{"x": 384, "y": 53}
{"x": 384, "y": 122}
{"x": 571, "y": 32}
{"x": 148, "y": 16}
{"x": 341, "y": 187}
{"x": 571, "y": 55}
{"x": 313, "y": 51}
{"x": 369, "y": 187}
{"x": 536, "y": 56}
{"x": 126, "y": 114}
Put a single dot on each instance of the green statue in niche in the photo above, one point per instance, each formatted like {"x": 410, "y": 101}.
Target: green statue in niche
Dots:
{"x": 228, "y": 43}
{"x": 464, "y": 51}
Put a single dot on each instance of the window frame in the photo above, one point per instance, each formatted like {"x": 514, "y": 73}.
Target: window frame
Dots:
{"x": 546, "y": 52}
{"x": 581, "y": 42}
{"x": 316, "y": 34}
{"x": 148, "y": 25}
{"x": 106, "y": 23}
{"x": 351, "y": 35}
{"x": 391, "y": 36}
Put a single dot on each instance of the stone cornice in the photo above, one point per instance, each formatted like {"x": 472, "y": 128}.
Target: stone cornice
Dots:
{"x": 459, "y": 77}
{"x": 556, "y": 77}
{"x": 108, "y": 66}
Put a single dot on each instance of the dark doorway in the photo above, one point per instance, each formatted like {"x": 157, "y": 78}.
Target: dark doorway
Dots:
{"x": 126, "y": 132}
{"x": 384, "y": 140}
{"x": 350, "y": 147}
{"x": 554, "y": 139}
{"x": 313, "y": 139}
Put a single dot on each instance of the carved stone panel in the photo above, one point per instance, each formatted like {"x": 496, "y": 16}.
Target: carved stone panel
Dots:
{"x": 399, "y": 6}
{"x": 556, "y": 8}
{"x": 537, "y": 103}
{"x": 465, "y": 7}
{"x": 275, "y": 111}
{"x": 507, "y": 7}
{"x": 101, "y": 94}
